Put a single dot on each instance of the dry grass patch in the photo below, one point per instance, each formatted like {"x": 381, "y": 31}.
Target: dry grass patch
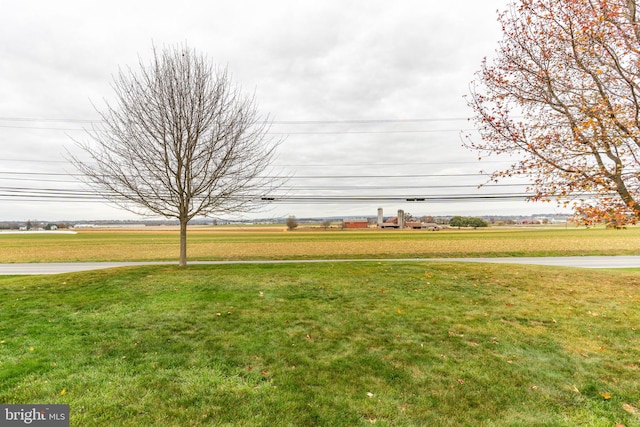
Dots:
{"x": 260, "y": 243}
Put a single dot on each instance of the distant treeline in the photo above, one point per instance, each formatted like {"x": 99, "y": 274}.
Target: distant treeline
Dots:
{"x": 464, "y": 221}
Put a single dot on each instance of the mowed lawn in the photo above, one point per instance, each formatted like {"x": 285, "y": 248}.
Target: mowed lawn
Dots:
{"x": 219, "y": 243}
{"x": 337, "y": 344}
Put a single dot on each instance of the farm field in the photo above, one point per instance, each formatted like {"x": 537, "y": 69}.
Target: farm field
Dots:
{"x": 337, "y": 344}
{"x": 275, "y": 243}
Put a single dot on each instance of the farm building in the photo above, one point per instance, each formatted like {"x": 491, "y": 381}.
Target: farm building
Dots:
{"x": 399, "y": 222}
{"x": 355, "y": 223}
{"x": 390, "y": 223}
{"x": 393, "y": 222}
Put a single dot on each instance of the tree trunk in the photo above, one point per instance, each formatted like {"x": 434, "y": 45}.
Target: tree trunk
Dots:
{"x": 183, "y": 242}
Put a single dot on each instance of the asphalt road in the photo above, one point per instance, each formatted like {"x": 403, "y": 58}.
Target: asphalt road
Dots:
{"x": 579, "y": 262}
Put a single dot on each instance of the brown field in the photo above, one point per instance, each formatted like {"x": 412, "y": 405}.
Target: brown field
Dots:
{"x": 277, "y": 243}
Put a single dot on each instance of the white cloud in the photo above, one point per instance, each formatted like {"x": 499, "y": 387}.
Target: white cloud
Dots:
{"x": 333, "y": 60}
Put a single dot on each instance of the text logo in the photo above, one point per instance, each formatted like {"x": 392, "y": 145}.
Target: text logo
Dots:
{"x": 34, "y": 415}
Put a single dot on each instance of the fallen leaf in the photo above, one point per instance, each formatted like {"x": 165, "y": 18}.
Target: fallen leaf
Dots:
{"x": 630, "y": 408}
{"x": 460, "y": 381}
{"x": 264, "y": 372}
{"x": 63, "y": 392}
{"x": 369, "y": 394}
{"x": 605, "y": 396}
{"x": 249, "y": 368}
{"x": 534, "y": 387}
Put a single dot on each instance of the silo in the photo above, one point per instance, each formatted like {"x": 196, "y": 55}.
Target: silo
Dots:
{"x": 400, "y": 218}
{"x": 380, "y": 217}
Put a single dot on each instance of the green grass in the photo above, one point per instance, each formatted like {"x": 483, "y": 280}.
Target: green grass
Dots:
{"x": 344, "y": 344}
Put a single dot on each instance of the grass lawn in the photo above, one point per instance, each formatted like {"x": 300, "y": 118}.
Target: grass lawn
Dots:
{"x": 391, "y": 344}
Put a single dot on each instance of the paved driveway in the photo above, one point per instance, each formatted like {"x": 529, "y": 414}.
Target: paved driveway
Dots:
{"x": 580, "y": 262}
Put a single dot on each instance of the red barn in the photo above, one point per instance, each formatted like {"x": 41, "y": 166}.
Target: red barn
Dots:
{"x": 355, "y": 223}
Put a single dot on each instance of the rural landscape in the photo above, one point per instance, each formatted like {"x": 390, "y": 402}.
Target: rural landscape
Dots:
{"x": 362, "y": 342}
{"x": 208, "y": 253}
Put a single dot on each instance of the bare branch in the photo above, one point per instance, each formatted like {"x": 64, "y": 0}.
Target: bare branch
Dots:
{"x": 180, "y": 140}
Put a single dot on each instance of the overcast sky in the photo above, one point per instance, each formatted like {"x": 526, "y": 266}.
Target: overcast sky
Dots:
{"x": 368, "y": 93}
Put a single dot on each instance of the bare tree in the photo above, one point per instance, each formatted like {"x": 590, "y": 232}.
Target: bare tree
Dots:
{"x": 292, "y": 223}
{"x": 179, "y": 141}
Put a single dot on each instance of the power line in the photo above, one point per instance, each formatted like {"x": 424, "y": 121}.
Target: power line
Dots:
{"x": 40, "y": 128}
{"x": 278, "y": 122}
{"x": 44, "y": 119}
{"x": 368, "y": 121}
{"x": 292, "y": 194}
{"x": 308, "y": 199}
{"x": 396, "y": 187}
{"x": 317, "y": 165}
{"x": 461, "y": 162}
{"x": 272, "y": 122}
{"x": 432, "y": 175}
{"x": 366, "y": 132}
{"x": 294, "y": 177}
{"x": 276, "y": 133}
{"x": 33, "y": 161}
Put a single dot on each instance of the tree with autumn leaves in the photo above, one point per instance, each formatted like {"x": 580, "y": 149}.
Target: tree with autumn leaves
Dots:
{"x": 562, "y": 97}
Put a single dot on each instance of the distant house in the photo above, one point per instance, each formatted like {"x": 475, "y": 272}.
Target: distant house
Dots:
{"x": 355, "y": 223}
